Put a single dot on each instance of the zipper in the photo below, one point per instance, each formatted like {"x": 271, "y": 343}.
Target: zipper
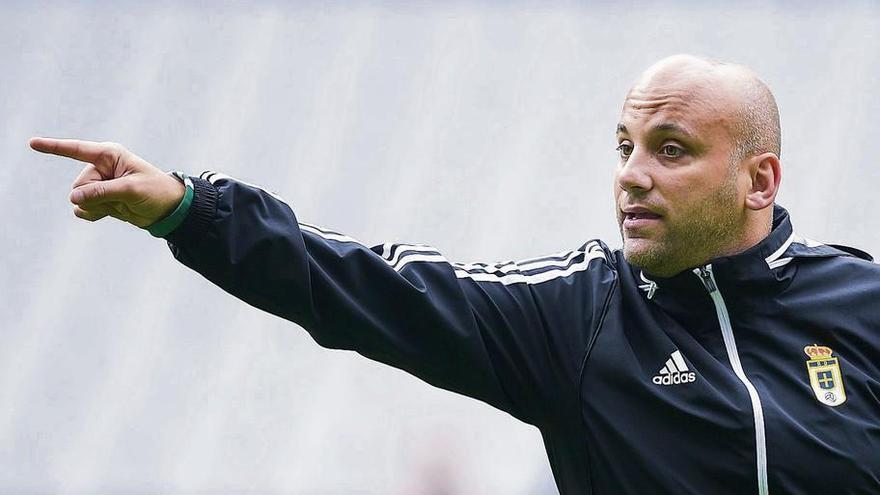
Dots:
{"x": 708, "y": 279}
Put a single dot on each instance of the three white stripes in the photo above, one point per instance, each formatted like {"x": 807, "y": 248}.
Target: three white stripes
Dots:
{"x": 399, "y": 255}
{"x": 674, "y": 364}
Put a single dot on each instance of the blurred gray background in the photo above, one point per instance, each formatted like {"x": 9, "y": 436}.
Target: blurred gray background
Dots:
{"x": 482, "y": 128}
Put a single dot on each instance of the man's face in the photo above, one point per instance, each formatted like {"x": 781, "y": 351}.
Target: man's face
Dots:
{"x": 676, "y": 184}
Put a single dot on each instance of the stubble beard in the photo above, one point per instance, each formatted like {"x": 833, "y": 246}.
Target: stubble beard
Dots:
{"x": 706, "y": 231}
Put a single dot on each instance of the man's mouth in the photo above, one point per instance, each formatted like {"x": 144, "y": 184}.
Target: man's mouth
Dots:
{"x": 637, "y": 217}
{"x": 641, "y": 216}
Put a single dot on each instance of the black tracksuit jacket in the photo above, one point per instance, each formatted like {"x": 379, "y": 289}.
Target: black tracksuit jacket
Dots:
{"x": 757, "y": 373}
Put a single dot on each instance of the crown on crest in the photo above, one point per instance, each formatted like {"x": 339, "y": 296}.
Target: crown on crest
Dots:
{"x": 816, "y": 351}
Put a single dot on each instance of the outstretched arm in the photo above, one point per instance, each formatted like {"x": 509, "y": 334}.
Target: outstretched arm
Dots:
{"x": 511, "y": 334}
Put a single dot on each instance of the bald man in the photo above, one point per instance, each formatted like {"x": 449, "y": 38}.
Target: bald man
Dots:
{"x": 718, "y": 352}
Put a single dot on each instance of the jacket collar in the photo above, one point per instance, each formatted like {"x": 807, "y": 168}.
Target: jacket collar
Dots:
{"x": 753, "y": 270}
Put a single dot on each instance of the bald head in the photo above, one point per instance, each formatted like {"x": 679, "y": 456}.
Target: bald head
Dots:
{"x": 733, "y": 92}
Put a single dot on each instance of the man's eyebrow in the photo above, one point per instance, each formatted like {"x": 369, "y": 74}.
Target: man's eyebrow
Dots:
{"x": 664, "y": 128}
{"x": 671, "y": 128}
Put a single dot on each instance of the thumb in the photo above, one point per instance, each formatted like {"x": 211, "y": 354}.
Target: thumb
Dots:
{"x": 98, "y": 192}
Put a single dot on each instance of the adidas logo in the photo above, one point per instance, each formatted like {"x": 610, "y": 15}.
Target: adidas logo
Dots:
{"x": 675, "y": 371}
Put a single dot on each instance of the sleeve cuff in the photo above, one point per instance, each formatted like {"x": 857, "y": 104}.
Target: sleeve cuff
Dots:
{"x": 197, "y": 219}
{"x": 166, "y": 225}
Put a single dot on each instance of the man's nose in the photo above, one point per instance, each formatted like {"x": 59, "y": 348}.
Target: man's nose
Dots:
{"x": 634, "y": 175}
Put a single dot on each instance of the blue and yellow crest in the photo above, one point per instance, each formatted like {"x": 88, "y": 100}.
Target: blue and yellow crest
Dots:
{"x": 825, "y": 377}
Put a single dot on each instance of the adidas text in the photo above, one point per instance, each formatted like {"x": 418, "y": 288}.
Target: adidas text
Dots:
{"x": 675, "y": 378}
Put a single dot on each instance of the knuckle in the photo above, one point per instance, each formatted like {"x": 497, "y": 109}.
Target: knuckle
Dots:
{"x": 84, "y": 176}
{"x": 107, "y": 156}
{"x": 112, "y": 146}
{"x": 99, "y": 191}
{"x": 111, "y": 153}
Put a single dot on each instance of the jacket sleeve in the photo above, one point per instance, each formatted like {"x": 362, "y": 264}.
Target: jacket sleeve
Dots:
{"x": 476, "y": 329}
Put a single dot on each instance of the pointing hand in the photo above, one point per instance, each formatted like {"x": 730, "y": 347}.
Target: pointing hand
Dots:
{"x": 116, "y": 182}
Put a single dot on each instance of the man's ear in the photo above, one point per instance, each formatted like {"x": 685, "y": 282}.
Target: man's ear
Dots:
{"x": 765, "y": 171}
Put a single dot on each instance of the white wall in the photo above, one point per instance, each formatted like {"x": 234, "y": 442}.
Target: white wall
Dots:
{"x": 485, "y": 129}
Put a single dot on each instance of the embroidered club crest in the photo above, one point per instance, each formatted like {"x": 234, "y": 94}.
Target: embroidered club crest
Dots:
{"x": 825, "y": 378}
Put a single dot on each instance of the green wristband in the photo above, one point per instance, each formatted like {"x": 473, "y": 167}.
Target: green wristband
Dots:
{"x": 168, "y": 224}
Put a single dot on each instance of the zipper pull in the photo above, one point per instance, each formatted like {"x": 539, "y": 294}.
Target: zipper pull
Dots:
{"x": 705, "y": 274}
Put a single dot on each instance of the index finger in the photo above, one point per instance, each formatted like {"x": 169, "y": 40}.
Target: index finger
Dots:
{"x": 85, "y": 151}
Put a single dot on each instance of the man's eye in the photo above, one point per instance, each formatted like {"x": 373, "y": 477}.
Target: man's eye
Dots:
{"x": 624, "y": 149}
{"x": 671, "y": 151}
